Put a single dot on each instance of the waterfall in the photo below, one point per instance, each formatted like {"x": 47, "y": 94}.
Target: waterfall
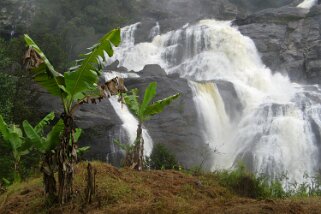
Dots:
{"x": 154, "y": 31}
{"x": 130, "y": 124}
{"x": 278, "y": 130}
{"x": 307, "y": 4}
{"x": 208, "y": 99}
{"x": 128, "y": 35}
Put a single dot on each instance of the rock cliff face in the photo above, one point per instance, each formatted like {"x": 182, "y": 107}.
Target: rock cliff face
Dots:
{"x": 172, "y": 14}
{"x": 177, "y": 127}
{"x": 289, "y": 40}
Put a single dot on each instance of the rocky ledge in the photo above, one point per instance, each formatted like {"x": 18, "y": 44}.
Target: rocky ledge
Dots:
{"x": 289, "y": 40}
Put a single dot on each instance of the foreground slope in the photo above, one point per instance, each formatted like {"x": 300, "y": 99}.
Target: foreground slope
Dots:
{"x": 127, "y": 191}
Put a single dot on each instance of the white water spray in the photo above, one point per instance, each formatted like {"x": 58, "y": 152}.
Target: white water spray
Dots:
{"x": 307, "y": 4}
{"x": 130, "y": 124}
{"x": 277, "y": 131}
{"x": 154, "y": 31}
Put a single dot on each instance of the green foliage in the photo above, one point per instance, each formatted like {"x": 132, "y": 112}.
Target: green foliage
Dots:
{"x": 30, "y": 140}
{"x": 65, "y": 28}
{"x": 80, "y": 79}
{"x": 149, "y": 94}
{"x": 132, "y": 102}
{"x": 71, "y": 87}
{"x": 45, "y": 75}
{"x": 53, "y": 136}
{"x": 7, "y": 163}
{"x": 77, "y": 135}
{"x": 7, "y": 80}
{"x": 8, "y": 89}
{"x": 126, "y": 147}
{"x": 20, "y": 143}
{"x": 13, "y": 139}
{"x": 15, "y": 97}
{"x": 6, "y": 182}
{"x": 44, "y": 122}
{"x": 245, "y": 183}
{"x": 5, "y": 60}
{"x": 158, "y": 106}
{"x": 145, "y": 110}
{"x": 41, "y": 143}
{"x": 162, "y": 158}
{"x": 82, "y": 150}
{"x": 84, "y": 76}
{"x": 195, "y": 170}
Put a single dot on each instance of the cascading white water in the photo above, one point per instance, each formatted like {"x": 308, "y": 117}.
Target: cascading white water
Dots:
{"x": 208, "y": 99}
{"x": 307, "y": 4}
{"x": 154, "y": 31}
{"x": 278, "y": 130}
{"x": 128, "y": 35}
{"x": 130, "y": 123}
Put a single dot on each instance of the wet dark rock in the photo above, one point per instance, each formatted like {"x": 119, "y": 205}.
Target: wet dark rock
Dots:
{"x": 232, "y": 103}
{"x": 177, "y": 126}
{"x": 289, "y": 40}
{"x": 172, "y": 14}
{"x": 152, "y": 70}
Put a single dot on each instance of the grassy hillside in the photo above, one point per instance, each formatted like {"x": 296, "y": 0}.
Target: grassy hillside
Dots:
{"x": 127, "y": 191}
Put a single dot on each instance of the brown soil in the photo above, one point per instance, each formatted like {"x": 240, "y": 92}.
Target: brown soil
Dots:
{"x": 127, "y": 191}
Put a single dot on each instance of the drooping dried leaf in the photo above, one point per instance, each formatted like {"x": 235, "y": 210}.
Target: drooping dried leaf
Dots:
{"x": 31, "y": 59}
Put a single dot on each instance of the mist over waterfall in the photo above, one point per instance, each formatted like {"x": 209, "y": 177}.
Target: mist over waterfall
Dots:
{"x": 278, "y": 129}
{"x": 308, "y": 4}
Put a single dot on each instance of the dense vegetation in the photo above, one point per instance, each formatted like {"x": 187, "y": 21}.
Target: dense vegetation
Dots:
{"x": 15, "y": 101}
{"x": 73, "y": 86}
{"x": 162, "y": 158}
{"x": 63, "y": 29}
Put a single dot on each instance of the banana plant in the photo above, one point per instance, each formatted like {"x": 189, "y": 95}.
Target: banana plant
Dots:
{"x": 143, "y": 111}
{"x": 45, "y": 145}
{"x": 13, "y": 138}
{"x": 73, "y": 87}
{"x": 22, "y": 141}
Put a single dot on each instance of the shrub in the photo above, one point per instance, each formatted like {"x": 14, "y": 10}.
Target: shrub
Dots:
{"x": 162, "y": 158}
{"x": 245, "y": 183}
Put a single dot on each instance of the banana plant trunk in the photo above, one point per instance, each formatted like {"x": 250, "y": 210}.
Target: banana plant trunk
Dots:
{"x": 16, "y": 173}
{"x": 49, "y": 176}
{"x": 139, "y": 149}
{"x": 67, "y": 155}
